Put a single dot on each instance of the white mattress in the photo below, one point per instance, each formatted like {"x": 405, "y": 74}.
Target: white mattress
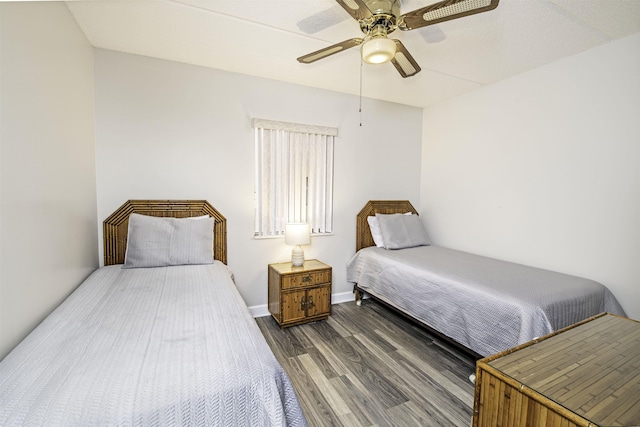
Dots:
{"x": 485, "y": 304}
{"x": 152, "y": 346}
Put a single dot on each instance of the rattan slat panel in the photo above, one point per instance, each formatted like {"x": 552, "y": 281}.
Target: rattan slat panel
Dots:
{"x": 116, "y": 226}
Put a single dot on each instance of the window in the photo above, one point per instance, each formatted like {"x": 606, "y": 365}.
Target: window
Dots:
{"x": 293, "y": 176}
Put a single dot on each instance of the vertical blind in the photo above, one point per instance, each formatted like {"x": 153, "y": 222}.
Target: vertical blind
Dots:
{"x": 293, "y": 176}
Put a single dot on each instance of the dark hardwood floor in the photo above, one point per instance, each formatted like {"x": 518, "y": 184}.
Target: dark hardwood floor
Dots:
{"x": 368, "y": 366}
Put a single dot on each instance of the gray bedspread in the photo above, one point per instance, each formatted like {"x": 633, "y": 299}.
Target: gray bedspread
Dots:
{"x": 485, "y": 304}
{"x": 151, "y": 346}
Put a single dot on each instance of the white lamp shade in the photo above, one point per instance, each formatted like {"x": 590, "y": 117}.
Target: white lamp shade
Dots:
{"x": 297, "y": 234}
{"x": 378, "y": 50}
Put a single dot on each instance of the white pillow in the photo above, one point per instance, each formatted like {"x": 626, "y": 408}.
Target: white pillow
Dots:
{"x": 159, "y": 242}
{"x": 401, "y": 231}
{"x": 374, "y": 226}
{"x": 375, "y": 231}
{"x": 197, "y": 217}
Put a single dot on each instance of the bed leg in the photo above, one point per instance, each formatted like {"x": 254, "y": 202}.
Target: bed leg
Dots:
{"x": 358, "y": 294}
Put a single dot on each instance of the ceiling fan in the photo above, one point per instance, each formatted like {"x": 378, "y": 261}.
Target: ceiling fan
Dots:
{"x": 379, "y": 18}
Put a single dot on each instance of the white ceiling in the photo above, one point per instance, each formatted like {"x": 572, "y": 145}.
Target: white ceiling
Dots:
{"x": 264, "y": 38}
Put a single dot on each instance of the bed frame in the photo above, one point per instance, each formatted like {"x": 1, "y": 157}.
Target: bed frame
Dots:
{"x": 364, "y": 240}
{"x": 116, "y": 226}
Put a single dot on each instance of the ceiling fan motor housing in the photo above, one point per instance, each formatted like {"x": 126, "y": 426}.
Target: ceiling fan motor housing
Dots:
{"x": 387, "y": 7}
{"x": 385, "y": 13}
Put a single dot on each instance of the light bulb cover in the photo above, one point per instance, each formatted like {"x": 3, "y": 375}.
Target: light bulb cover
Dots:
{"x": 378, "y": 50}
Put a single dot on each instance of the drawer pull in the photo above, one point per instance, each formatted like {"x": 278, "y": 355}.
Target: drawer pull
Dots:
{"x": 303, "y": 303}
{"x": 310, "y": 303}
{"x": 307, "y": 279}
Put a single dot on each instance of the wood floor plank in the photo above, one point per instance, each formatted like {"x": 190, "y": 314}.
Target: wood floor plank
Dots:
{"x": 368, "y": 366}
{"x": 324, "y": 385}
{"x": 344, "y": 332}
{"x": 439, "y": 378}
{"x": 325, "y": 349}
{"x": 316, "y": 409}
{"x": 442, "y": 355}
{"x": 443, "y": 403}
{"x": 373, "y": 374}
{"x": 351, "y": 420}
{"x": 357, "y": 398}
{"x": 287, "y": 344}
{"x": 411, "y": 415}
{"x": 364, "y": 364}
{"x": 327, "y": 368}
{"x": 366, "y": 402}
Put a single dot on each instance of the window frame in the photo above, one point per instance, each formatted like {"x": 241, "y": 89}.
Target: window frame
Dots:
{"x": 307, "y": 153}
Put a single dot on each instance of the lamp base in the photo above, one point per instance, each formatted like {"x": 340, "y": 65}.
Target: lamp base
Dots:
{"x": 297, "y": 256}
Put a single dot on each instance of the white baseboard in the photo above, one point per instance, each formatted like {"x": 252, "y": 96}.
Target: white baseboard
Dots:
{"x": 263, "y": 310}
{"x": 342, "y": 297}
{"x": 259, "y": 310}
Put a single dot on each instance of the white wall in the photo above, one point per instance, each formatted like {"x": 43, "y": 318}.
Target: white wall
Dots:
{"x": 47, "y": 193}
{"x": 166, "y": 130}
{"x": 544, "y": 169}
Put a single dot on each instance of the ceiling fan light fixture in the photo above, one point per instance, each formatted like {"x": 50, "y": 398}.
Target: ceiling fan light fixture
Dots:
{"x": 379, "y": 18}
{"x": 378, "y": 50}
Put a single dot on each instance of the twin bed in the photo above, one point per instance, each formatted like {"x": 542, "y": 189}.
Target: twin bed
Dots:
{"x": 163, "y": 345}
{"x": 482, "y": 305}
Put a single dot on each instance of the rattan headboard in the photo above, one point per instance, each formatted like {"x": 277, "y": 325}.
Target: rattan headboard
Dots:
{"x": 363, "y": 233}
{"x": 116, "y": 226}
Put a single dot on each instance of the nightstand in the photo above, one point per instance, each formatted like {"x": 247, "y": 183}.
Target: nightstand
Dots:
{"x": 299, "y": 294}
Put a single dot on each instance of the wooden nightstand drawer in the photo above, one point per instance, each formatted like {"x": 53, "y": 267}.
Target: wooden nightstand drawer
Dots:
{"x": 299, "y": 294}
{"x": 306, "y": 279}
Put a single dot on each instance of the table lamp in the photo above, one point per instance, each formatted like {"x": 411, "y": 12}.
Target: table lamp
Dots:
{"x": 296, "y": 234}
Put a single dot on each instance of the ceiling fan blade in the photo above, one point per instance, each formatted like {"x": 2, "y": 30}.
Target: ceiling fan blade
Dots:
{"x": 356, "y": 8}
{"x": 327, "y": 51}
{"x": 404, "y": 62}
{"x": 444, "y": 11}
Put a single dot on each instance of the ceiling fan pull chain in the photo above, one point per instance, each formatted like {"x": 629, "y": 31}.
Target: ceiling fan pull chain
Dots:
{"x": 360, "y": 108}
